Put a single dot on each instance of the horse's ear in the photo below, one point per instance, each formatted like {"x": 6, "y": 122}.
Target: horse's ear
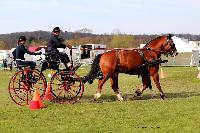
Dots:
{"x": 169, "y": 37}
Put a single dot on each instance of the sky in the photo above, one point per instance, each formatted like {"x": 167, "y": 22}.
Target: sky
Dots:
{"x": 101, "y": 16}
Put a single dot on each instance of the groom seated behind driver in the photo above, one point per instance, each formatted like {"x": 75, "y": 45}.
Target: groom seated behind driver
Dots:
{"x": 20, "y": 51}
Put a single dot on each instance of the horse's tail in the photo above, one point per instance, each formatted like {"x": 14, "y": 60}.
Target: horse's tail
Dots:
{"x": 94, "y": 69}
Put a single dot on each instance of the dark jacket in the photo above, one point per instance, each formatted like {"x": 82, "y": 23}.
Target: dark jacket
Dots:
{"x": 20, "y": 51}
{"x": 4, "y": 61}
{"x": 54, "y": 43}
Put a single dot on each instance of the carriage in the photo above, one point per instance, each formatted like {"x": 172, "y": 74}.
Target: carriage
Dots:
{"x": 66, "y": 85}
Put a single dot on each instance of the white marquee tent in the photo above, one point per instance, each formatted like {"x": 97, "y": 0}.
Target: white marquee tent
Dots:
{"x": 183, "y": 45}
{"x": 188, "y": 52}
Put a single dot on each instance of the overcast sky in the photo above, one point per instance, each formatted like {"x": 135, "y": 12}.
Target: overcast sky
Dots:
{"x": 102, "y": 16}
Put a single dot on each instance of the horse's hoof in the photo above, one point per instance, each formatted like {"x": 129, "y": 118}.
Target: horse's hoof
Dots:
{"x": 162, "y": 96}
{"x": 119, "y": 97}
{"x": 138, "y": 93}
{"x": 97, "y": 96}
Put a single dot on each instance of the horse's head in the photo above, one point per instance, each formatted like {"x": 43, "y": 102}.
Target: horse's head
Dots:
{"x": 163, "y": 45}
{"x": 169, "y": 47}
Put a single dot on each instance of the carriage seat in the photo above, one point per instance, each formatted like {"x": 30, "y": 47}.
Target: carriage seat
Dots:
{"x": 51, "y": 58}
{"x": 50, "y": 62}
{"x": 22, "y": 66}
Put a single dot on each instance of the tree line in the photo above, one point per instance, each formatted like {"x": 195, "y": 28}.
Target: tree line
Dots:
{"x": 83, "y": 36}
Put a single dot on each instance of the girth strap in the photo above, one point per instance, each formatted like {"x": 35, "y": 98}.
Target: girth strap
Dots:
{"x": 144, "y": 60}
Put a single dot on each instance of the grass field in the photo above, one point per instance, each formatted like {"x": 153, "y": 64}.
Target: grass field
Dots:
{"x": 179, "y": 112}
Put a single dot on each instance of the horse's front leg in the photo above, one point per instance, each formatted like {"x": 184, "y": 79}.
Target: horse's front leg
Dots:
{"x": 156, "y": 81}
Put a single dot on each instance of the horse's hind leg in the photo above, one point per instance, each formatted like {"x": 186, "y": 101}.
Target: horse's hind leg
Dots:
{"x": 115, "y": 87}
{"x": 146, "y": 80}
{"x": 156, "y": 81}
{"x": 100, "y": 85}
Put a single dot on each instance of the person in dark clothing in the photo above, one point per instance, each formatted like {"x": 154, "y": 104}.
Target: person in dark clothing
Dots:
{"x": 19, "y": 52}
{"x": 5, "y": 63}
{"x": 10, "y": 62}
{"x": 54, "y": 43}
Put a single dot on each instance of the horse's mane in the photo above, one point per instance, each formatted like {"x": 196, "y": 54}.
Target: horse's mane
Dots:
{"x": 153, "y": 40}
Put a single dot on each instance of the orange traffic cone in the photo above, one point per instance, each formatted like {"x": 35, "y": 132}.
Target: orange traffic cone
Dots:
{"x": 36, "y": 102}
{"x": 198, "y": 76}
{"x": 34, "y": 105}
{"x": 48, "y": 94}
{"x": 162, "y": 75}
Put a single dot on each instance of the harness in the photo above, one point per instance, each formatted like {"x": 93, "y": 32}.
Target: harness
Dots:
{"x": 144, "y": 60}
{"x": 145, "y": 63}
{"x": 152, "y": 62}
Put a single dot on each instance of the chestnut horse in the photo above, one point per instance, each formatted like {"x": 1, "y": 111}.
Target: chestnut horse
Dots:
{"x": 143, "y": 62}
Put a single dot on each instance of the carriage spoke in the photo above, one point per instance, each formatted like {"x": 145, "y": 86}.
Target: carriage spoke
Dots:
{"x": 69, "y": 88}
{"x": 21, "y": 90}
{"x": 58, "y": 79}
{"x": 59, "y": 88}
{"x": 71, "y": 93}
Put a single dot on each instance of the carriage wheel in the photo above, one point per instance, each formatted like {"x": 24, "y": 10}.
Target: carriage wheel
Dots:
{"x": 67, "y": 87}
{"x": 21, "y": 86}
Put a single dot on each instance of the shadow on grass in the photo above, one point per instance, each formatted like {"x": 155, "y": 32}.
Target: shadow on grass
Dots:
{"x": 167, "y": 96}
{"x": 103, "y": 98}
{"x": 131, "y": 97}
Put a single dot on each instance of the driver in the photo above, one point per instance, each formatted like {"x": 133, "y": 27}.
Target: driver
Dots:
{"x": 19, "y": 52}
{"x": 53, "y": 44}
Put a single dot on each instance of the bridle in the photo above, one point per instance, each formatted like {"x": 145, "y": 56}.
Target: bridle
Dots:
{"x": 163, "y": 51}
{"x": 172, "y": 50}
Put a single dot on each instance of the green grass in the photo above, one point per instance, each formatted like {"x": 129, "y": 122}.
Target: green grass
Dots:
{"x": 179, "y": 112}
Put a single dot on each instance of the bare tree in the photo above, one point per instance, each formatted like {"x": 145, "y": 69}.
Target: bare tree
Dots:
{"x": 84, "y": 30}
